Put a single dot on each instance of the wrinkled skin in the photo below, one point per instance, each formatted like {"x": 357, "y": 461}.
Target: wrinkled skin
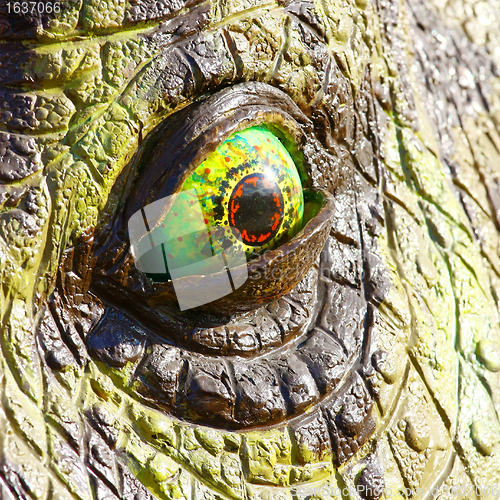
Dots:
{"x": 380, "y": 368}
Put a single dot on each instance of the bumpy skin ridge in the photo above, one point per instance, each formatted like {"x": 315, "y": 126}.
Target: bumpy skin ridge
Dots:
{"x": 404, "y": 102}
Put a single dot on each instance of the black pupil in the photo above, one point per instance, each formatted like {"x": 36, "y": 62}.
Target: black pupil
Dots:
{"x": 256, "y": 209}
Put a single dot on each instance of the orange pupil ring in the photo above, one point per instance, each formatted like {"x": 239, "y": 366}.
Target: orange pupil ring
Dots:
{"x": 256, "y": 209}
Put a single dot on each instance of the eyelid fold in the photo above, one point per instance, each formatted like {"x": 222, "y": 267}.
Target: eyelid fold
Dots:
{"x": 187, "y": 138}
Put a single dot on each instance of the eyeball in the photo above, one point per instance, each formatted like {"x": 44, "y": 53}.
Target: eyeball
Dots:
{"x": 250, "y": 186}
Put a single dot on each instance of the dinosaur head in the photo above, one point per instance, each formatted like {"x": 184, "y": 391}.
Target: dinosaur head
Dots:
{"x": 359, "y": 354}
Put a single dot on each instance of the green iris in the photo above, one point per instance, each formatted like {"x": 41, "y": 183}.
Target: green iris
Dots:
{"x": 247, "y": 193}
{"x": 250, "y": 183}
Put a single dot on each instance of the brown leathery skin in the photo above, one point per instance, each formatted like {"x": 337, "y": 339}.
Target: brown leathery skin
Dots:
{"x": 392, "y": 380}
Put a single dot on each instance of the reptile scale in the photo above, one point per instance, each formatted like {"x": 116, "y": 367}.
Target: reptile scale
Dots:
{"x": 351, "y": 150}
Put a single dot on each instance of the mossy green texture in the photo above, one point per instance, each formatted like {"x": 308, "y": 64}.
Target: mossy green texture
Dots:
{"x": 95, "y": 92}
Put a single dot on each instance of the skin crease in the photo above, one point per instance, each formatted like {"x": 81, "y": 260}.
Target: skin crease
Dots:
{"x": 400, "y": 106}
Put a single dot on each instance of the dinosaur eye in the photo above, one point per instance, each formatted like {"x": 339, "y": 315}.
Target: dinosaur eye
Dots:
{"x": 245, "y": 197}
{"x": 225, "y": 216}
{"x": 250, "y": 184}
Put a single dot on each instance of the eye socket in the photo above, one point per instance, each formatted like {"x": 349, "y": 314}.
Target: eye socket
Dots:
{"x": 228, "y": 124}
{"x": 190, "y": 382}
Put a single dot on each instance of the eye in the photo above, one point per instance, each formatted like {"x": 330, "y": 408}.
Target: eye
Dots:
{"x": 246, "y": 196}
{"x": 250, "y": 182}
{"x": 245, "y": 159}
{"x": 224, "y": 216}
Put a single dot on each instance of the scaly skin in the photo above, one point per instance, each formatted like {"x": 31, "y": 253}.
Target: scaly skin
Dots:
{"x": 403, "y": 100}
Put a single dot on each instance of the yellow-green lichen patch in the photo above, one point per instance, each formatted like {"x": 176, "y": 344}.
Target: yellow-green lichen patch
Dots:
{"x": 267, "y": 457}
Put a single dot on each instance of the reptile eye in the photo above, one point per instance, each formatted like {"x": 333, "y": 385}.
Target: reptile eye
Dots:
{"x": 246, "y": 196}
{"x": 224, "y": 216}
{"x": 243, "y": 163}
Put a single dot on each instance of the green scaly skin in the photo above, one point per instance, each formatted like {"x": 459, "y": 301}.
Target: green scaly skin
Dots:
{"x": 97, "y": 97}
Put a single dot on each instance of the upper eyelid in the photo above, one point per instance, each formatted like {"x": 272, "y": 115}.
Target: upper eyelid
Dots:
{"x": 194, "y": 132}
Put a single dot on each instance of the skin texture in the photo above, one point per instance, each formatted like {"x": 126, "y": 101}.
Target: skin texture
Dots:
{"x": 379, "y": 367}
